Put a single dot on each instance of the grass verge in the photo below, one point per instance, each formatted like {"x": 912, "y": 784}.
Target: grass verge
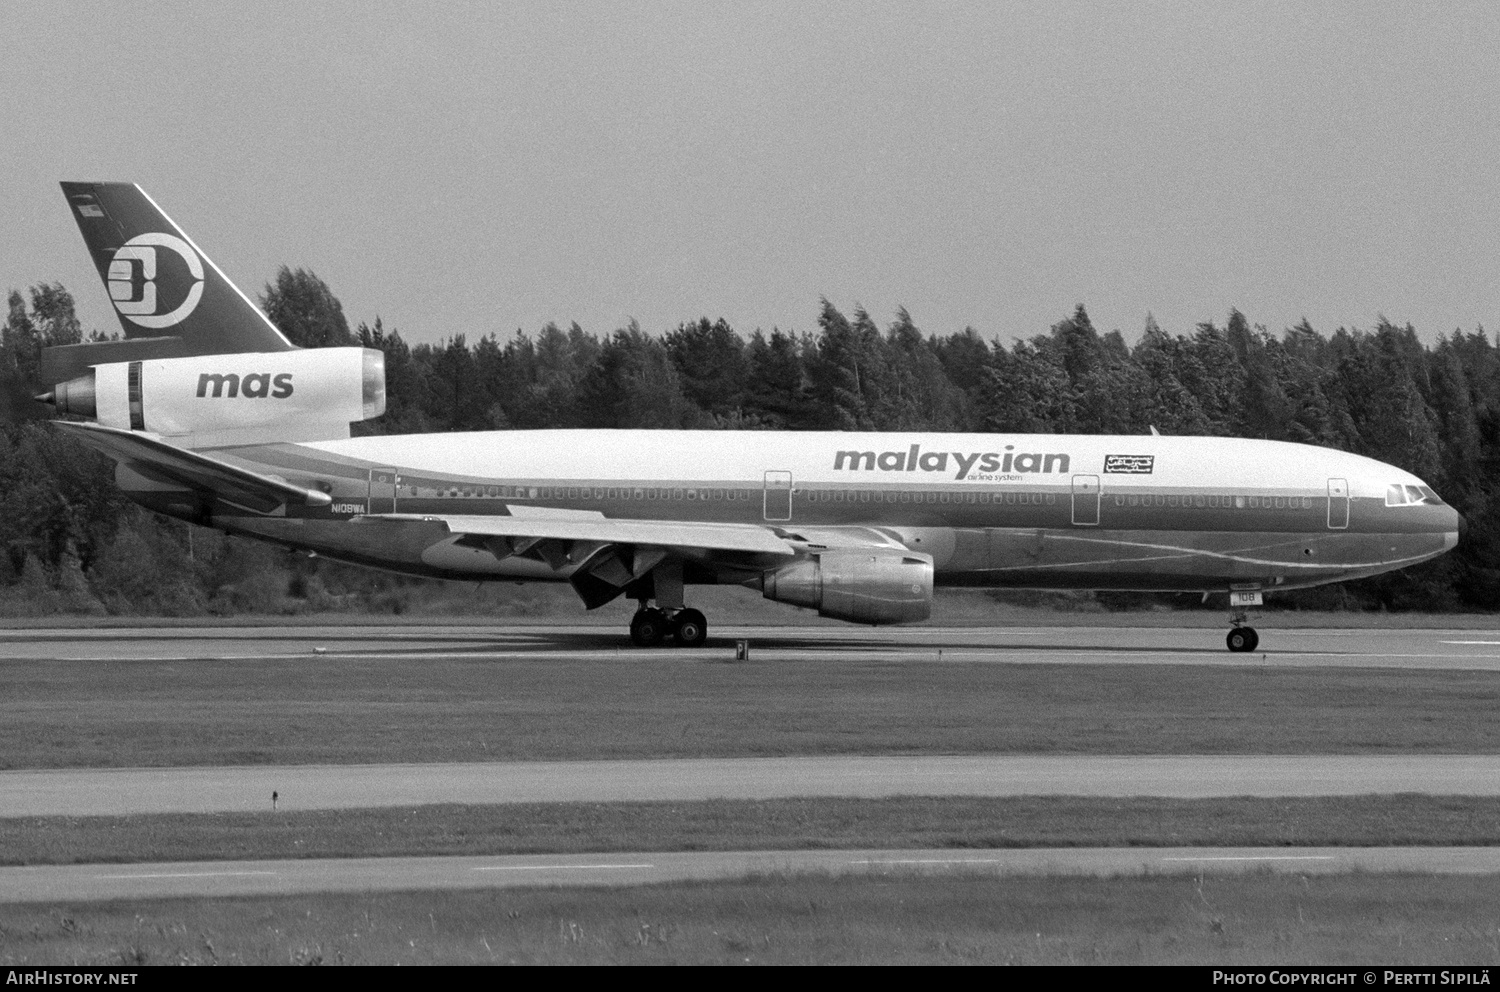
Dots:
{"x": 959, "y": 919}
{"x": 736, "y": 825}
{"x": 442, "y": 708}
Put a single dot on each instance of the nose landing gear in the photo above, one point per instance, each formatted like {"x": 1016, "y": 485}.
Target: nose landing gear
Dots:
{"x": 1241, "y": 637}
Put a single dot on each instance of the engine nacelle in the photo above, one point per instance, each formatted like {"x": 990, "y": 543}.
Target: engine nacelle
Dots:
{"x": 872, "y": 587}
{"x": 311, "y": 394}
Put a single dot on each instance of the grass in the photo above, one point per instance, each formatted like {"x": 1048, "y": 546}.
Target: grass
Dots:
{"x": 441, "y": 708}
{"x": 957, "y": 918}
{"x": 733, "y": 825}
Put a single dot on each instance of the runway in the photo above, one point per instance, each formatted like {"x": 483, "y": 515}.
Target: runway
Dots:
{"x": 130, "y": 791}
{"x": 182, "y": 790}
{"x": 1455, "y": 649}
{"x": 92, "y": 883}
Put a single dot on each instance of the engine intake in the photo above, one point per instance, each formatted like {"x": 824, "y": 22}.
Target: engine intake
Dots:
{"x": 873, "y": 587}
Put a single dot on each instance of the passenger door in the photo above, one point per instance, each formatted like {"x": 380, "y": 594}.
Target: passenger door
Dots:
{"x": 1086, "y": 500}
{"x": 1338, "y": 504}
{"x": 382, "y": 491}
{"x": 778, "y": 496}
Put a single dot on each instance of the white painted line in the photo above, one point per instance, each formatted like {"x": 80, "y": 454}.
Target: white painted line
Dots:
{"x": 193, "y": 874}
{"x": 1470, "y": 642}
{"x": 1266, "y": 857}
{"x": 936, "y": 861}
{"x": 555, "y": 867}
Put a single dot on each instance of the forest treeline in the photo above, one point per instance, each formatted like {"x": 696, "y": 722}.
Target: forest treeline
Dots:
{"x": 73, "y": 542}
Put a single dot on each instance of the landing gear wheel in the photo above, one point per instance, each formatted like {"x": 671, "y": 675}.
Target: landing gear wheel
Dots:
{"x": 648, "y": 628}
{"x": 1242, "y": 639}
{"x": 691, "y": 628}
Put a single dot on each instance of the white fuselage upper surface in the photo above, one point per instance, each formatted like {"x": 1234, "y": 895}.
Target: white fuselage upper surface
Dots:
{"x": 1186, "y": 463}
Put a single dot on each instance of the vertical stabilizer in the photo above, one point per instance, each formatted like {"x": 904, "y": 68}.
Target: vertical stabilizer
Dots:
{"x": 171, "y": 299}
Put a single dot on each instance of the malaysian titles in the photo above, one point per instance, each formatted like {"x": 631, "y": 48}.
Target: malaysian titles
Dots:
{"x": 982, "y": 464}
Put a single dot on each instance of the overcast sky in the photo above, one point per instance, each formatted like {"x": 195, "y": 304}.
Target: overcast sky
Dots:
{"x": 478, "y": 168}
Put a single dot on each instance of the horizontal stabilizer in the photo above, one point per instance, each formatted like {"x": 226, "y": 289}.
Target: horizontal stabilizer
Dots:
{"x": 161, "y": 461}
{"x": 69, "y": 361}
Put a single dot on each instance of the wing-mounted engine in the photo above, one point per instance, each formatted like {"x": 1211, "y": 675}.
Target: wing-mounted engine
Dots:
{"x": 210, "y": 400}
{"x": 874, "y": 586}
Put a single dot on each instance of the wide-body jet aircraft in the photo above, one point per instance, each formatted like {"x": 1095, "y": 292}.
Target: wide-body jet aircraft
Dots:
{"x": 212, "y": 416}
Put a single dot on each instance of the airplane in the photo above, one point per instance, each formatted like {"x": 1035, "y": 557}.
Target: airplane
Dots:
{"x": 214, "y": 417}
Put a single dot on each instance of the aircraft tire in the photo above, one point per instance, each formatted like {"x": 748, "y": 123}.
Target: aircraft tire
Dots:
{"x": 1242, "y": 639}
{"x": 648, "y": 628}
{"x": 690, "y": 628}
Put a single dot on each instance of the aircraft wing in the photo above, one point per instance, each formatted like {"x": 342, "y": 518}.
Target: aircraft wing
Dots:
{"x": 602, "y": 556}
{"x": 167, "y": 463}
{"x": 666, "y": 534}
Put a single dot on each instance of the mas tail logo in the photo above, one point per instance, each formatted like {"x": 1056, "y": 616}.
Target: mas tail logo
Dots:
{"x": 133, "y": 274}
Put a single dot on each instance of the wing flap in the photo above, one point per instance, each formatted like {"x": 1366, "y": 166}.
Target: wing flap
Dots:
{"x": 192, "y": 470}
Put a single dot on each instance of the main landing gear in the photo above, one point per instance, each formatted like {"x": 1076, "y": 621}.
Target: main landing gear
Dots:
{"x": 650, "y": 626}
{"x": 1242, "y": 637}
{"x": 668, "y": 618}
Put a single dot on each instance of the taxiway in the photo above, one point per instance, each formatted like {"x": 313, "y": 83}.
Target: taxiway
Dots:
{"x": 133, "y": 791}
{"x": 76, "y": 883}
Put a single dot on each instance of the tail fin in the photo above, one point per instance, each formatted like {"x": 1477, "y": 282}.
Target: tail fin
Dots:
{"x": 171, "y": 299}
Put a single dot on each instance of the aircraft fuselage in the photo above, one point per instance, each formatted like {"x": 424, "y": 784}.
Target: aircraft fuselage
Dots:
{"x": 1192, "y": 514}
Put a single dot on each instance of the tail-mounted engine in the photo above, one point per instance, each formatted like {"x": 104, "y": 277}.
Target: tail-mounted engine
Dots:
{"x": 873, "y": 587}
{"x": 305, "y": 395}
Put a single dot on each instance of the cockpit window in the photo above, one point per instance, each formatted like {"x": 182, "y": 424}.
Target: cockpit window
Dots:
{"x": 1404, "y": 495}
